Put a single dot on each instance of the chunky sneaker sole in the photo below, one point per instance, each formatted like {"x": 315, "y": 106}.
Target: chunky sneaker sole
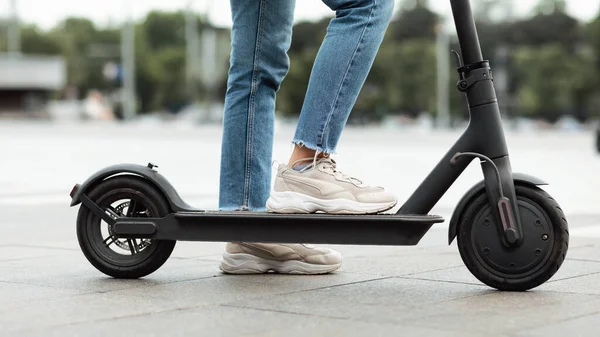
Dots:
{"x": 249, "y": 264}
{"x": 293, "y": 202}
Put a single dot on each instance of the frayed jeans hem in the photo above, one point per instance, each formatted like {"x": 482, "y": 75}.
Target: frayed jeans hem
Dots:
{"x": 314, "y": 147}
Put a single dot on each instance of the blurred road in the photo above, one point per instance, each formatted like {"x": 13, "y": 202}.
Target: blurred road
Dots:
{"x": 48, "y": 288}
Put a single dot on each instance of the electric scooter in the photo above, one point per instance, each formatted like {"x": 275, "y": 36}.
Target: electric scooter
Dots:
{"x": 511, "y": 234}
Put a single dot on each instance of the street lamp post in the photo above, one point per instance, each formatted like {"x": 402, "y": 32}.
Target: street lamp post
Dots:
{"x": 128, "y": 64}
{"x": 209, "y": 62}
{"x": 443, "y": 73}
{"x": 192, "y": 47}
{"x": 14, "y": 31}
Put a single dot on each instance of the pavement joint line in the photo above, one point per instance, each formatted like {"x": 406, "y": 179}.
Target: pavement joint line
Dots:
{"x": 226, "y": 275}
{"x": 41, "y": 247}
{"x": 200, "y": 257}
{"x": 166, "y": 283}
{"x": 559, "y": 321}
{"x": 353, "y": 319}
{"x": 193, "y": 307}
{"x": 289, "y": 312}
{"x": 26, "y": 258}
{"x": 403, "y": 275}
{"x": 208, "y": 305}
{"x": 573, "y": 277}
{"x": 88, "y": 293}
{"x": 341, "y": 270}
{"x": 583, "y": 260}
{"x": 206, "y": 260}
{"x": 13, "y": 282}
{"x": 81, "y": 292}
{"x": 461, "y": 330}
{"x": 335, "y": 286}
{"x": 112, "y": 319}
{"x": 195, "y": 258}
{"x": 491, "y": 292}
{"x": 596, "y": 296}
{"x": 411, "y": 255}
{"x": 85, "y": 292}
{"x": 591, "y": 245}
{"x": 430, "y": 271}
{"x": 440, "y": 281}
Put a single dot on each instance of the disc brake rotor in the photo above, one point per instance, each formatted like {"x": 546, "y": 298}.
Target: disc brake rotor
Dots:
{"x": 123, "y": 243}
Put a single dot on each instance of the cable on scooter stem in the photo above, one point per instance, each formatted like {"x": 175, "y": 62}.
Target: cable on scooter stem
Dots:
{"x": 483, "y": 158}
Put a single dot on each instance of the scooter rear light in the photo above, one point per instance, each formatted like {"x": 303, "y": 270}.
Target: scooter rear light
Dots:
{"x": 74, "y": 189}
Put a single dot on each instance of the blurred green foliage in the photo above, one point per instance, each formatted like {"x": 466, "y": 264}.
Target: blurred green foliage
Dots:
{"x": 552, "y": 61}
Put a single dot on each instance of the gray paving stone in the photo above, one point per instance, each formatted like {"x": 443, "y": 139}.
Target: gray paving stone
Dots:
{"x": 374, "y": 251}
{"x": 578, "y": 285}
{"x": 506, "y": 313}
{"x": 146, "y": 299}
{"x": 20, "y": 293}
{"x": 73, "y": 271}
{"x": 388, "y": 300}
{"x": 585, "y": 326}
{"x": 11, "y": 252}
{"x": 321, "y": 327}
{"x": 198, "y": 249}
{"x": 182, "y": 249}
{"x": 229, "y": 321}
{"x": 570, "y": 268}
{"x": 403, "y": 264}
{"x": 589, "y": 252}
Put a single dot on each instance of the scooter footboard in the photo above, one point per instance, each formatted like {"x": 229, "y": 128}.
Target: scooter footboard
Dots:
{"x": 381, "y": 229}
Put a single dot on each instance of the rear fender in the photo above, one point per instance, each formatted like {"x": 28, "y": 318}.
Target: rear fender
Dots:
{"x": 147, "y": 172}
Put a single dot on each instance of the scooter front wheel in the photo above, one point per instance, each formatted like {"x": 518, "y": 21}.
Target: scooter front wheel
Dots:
{"x": 526, "y": 266}
{"x": 123, "y": 196}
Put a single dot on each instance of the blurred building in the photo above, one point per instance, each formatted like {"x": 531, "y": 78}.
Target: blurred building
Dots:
{"x": 28, "y": 81}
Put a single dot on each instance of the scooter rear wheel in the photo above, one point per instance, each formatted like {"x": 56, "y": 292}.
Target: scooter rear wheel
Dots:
{"x": 123, "y": 196}
{"x": 534, "y": 261}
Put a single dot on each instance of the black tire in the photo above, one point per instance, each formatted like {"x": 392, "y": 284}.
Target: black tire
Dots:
{"x": 536, "y": 260}
{"x": 150, "y": 256}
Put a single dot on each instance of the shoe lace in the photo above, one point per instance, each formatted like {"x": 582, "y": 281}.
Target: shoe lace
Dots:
{"x": 329, "y": 166}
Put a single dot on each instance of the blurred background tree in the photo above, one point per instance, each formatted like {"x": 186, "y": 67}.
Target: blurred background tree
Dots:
{"x": 550, "y": 57}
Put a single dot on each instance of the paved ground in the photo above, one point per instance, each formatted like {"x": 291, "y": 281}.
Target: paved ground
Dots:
{"x": 47, "y": 287}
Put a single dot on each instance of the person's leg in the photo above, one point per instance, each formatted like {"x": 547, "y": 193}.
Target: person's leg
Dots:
{"x": 261, "y": 36}
{"x": 339, "y": 72}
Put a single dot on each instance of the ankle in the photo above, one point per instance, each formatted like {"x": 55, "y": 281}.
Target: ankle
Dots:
{"x": 303, "y": 155}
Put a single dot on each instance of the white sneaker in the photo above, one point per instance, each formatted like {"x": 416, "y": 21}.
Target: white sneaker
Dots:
{"x": 320, "y": 187}
{"x": 258, "y": 258}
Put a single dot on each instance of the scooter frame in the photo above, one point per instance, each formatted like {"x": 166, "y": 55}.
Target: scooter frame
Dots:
{"x": 483, "y": 138}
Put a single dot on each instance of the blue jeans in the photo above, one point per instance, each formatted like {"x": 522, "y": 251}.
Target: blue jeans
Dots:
{"x": 260, "y": 38}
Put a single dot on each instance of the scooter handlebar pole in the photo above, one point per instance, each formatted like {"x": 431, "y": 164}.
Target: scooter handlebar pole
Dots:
{"x": 466, "y": 31}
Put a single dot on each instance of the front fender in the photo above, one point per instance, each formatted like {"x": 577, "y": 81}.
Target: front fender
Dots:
{"x": 177, "y": 204}
{"x": 475, "y": 190}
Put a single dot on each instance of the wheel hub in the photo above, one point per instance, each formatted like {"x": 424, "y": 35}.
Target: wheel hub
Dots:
{"x": 526, "y": 258}
{"x": 124, "y": 243}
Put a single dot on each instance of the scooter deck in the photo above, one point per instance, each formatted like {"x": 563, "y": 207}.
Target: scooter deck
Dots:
{"x": 379, "y": 229}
